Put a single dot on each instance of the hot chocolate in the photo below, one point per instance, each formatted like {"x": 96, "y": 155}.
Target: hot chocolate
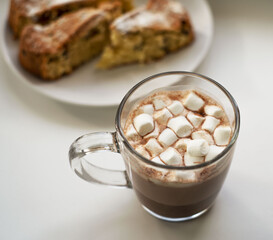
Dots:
{"x": 177, "y": 143}
{"x": 183, "y": 128}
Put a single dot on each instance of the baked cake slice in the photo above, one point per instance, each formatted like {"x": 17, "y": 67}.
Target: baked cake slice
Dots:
{"x": 56, "y": 49}
{"x": 24, "y": 12}
{"x": 147, "y": 33}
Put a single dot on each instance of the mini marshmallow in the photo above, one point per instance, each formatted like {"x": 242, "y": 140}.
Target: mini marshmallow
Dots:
{"x": 167, "y": 137}
{"x": 203, "y": 135}
{"x": 185, "y": 175}
{"x": 198, "y": 148}
{"x": 144, "y": 123}
{"x": 181, "y": 144}
{"x": 222, "y": 135}
{"x": 141, "y": 150}
{"x": 131, "y": 133}
{"x": 210, "y": 123}
{"x": 213, "y": 152}
{"x": 153, "y": 147}
{"x": 195, "y": 119}
{"x": 159, "y": 104}
{"x": 153, "y": 134}
{"x": 157, "y": 160}
{"x": 191, "y": 160}
{"x": 214, "y": 111}
{"x": 149, "y": 109}
{"x": 193, "y": 102}
{"x": 171, "y": 157}
{"x": 176, "y": 108}
{"x": 181, "y": 126}
{"x": 162, "y": 116}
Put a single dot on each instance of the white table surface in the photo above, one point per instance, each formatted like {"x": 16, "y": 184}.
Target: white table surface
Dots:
{"x": 41, "y": 198}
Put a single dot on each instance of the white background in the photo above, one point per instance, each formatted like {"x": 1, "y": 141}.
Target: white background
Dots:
{"x": 41, "y": 198}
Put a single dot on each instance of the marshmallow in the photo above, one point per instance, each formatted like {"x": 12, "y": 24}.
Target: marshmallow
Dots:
{"x": 213, "y": 152}
{"x": 181, "y": 126}
{"x": 222, "y": 135}
{"x": 198, "y": 148}
{"x": 149, "y": 109}
{"x": 157, "y": 160}
{"x": 162, "y": 116}
{"x": 203, "y": 135}
{"x": 214, "y": 111}
{"x": 144, "y": 123}
{"x": 153, "y": 147}
{"x": 131, "y": 133}
{"x": 167, "y": 137}
{"x": 181, "y": 144}
{"x": 141, "y": 150}
{"x": 171, "y": 157}
{"x": 159, "y": 104}
{"x": 176, "y": 108}
{"x": 195, "y": 119}
{"x": 191, "y": 160}
{"x": 154, "y": 133}
{"x": 210, "y": 123}
{"x": 193, "y": 102}
{"x": 185, "y": 175}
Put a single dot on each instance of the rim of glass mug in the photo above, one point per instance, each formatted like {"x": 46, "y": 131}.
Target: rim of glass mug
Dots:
{"x": 190, "y": 74}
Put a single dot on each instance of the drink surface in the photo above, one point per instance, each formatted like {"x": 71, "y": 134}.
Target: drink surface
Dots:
{"x": 179, "y": 128}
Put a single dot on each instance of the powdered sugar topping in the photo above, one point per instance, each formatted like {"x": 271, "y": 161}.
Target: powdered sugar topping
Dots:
{"x": 159, "y": 17}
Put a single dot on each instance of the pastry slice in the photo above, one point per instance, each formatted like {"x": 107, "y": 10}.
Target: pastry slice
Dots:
{"x": 56, "y": 49}
{"x": 24, "y": 12}
{"x": 147, "y": 33}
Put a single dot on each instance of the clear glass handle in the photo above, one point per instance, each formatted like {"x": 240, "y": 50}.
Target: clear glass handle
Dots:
{"x": 91, "y": 143}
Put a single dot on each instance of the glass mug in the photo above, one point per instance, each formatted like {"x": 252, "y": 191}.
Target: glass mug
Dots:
{"x": 169, "y": 200}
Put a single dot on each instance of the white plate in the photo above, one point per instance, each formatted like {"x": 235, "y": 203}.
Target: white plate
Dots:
{"x": 90, "y": 87}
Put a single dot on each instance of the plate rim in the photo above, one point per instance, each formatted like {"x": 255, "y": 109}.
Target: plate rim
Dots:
{"x": 18, "y": 75}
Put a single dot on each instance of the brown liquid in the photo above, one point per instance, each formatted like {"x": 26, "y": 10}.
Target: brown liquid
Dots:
{"x": 178, "y": 202}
